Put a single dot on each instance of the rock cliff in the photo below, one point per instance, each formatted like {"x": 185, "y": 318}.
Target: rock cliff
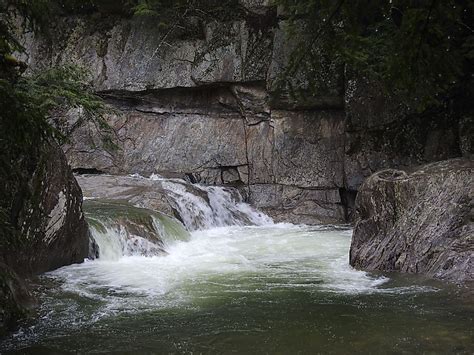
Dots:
{"x": 201, "y": 102}
{"x": 419, "y": 222}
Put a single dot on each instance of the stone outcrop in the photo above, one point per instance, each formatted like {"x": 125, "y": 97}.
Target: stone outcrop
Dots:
{"x": 51, "y": 225}
{"x": 136, "y": 54}
{"x": 200, "y": 101}
{"x": 48, "y": 228}
{"x": 221, "y": 136}
{"x": 419, "y": 222}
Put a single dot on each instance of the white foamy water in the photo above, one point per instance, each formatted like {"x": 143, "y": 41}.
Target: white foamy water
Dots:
{"x": 115, "y": 241}
{"x": 204, "y": 207}
{"x": 237, "y": 283}
{"x": 120, "y": 229}
{"x": 154, "y": 276}
{"x": 226, "y": 260}
{"x": 233, "y": 249}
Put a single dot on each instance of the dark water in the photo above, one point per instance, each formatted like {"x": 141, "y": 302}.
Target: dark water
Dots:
{"x": 283, "y": 290}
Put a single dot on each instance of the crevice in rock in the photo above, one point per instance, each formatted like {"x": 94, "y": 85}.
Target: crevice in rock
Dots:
{"x": 83, "y": 171}
{"x": 310, "y": 188}
{"x": 348, "y": 197}
{"x": 258, "y": 122}
{"x": 191, "y": 178}
{"x": 244, "y": 122}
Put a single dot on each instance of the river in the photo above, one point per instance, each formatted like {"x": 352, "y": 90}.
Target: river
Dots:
{"x": 261, "y": 288}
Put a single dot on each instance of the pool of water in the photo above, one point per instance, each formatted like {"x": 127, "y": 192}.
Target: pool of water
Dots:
{"x": 269, "y": 289}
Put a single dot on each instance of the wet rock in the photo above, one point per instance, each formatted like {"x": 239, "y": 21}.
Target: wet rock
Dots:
{"x": 152, "y": 135}
{"x": 252, "y": 100}
{"x": 137, "y": 191}
{"x": 327, "y": 88}
{"x": 52, "y": 228}
{"x": 419, "y": 222}
{"x": 308, "y": 148}
{"x": 48, "y": 229}
{"x": 239, "y": 143}
{"x": 295, "y": 204}
{"x": 259, "y": 144}
{"x": 466, "y": 134}
{"x": 16, "y": 301}
{"x": 232, "y": 52}
{"x": 137, "y": 228}
{"x": 136, "y": 54}
{"x": 256, "y": 6}
{"x": 231, "y": 176}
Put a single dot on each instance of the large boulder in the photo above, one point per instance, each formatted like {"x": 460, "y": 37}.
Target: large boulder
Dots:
{"x": 45, "y": 228}
{"x": 50, "y": 225}
{"x": 421, "y": 222}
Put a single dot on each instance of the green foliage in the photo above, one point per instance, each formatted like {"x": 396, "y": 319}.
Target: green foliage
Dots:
{"x": 171, "y": 10}
{"x": 165, "y": 10}
{"x": 26, "y": 103}
{"x": 420, "y": 49}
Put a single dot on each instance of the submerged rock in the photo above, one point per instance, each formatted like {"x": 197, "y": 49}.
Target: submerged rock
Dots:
{"x": 16, "y": 301}
{"x": 421, "y": 222}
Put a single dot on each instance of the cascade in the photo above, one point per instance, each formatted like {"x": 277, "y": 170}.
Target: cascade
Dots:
{"x": 121, "y": 229}
{"x": 203, "y": 207}
{"x": 227, "y": 270}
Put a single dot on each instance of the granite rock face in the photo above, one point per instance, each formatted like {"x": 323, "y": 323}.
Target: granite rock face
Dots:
{"x": 53, "y": 230}
{"x": 225, "y": 136}
{"x": 136, "y": 54}
{"x": 419, "y": 222}
{"x": 381, "y": 132}
{"x": 201, "y": 102}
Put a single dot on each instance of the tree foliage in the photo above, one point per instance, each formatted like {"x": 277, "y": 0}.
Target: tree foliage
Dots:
{"x": 423, "y": 49}
{"x": 164, "y": 10}
{"x": 26, "y": 102}
{"x": 214, "y": 9}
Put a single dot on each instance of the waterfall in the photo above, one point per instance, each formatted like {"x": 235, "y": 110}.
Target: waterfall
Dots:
{"x": 115, "y": 241}
{"x": 120, "y": 229}
{"x": 203, "y": 207}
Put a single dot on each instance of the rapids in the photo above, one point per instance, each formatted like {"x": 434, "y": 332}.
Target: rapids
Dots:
{"x": 227, "y": 279}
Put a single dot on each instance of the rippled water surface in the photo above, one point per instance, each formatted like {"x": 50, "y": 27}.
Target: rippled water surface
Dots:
{"x": 274, "y": 289}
